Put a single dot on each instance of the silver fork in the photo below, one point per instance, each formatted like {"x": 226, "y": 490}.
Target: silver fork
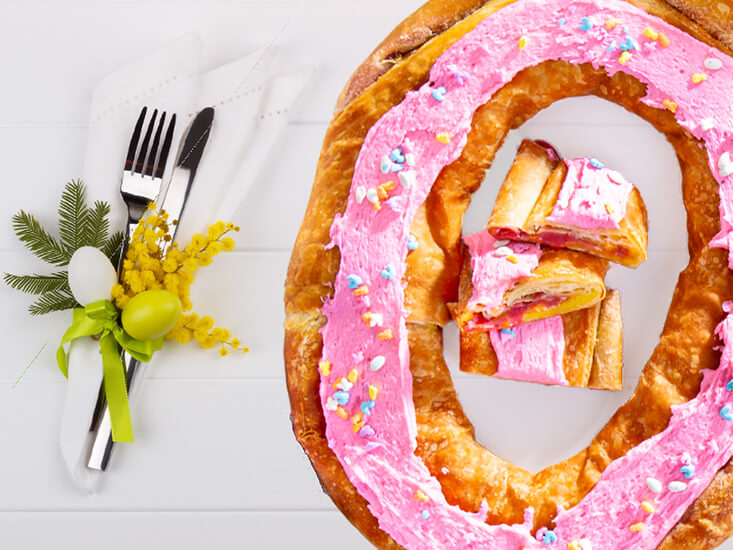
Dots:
{"x": 142, "y": 178}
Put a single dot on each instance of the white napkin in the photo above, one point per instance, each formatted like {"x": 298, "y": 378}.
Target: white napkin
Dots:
{"x": 251, "y": 102}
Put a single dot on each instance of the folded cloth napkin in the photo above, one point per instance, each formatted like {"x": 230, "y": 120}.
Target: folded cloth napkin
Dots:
{"x": 251, "y": 100}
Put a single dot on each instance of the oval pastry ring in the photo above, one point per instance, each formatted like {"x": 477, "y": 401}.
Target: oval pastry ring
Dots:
{"x": 366, "y": 347}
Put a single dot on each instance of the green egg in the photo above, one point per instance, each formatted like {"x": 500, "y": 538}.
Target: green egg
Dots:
{"x": 151, "y": 314}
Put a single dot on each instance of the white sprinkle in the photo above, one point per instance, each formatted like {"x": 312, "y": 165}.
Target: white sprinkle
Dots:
{"x": 372, "y": 196}
{"x": 713, "y": 64}
{"x": 725, "y": 165}
{"x": 344, "y": 384}
{"x": 407, "y": 178}
{"x": 360, "y": 194}
{"x": 707, "y": 124}
{"x": 377, "y": 363}
{"x": 332, "y": 404}
{"x": 385, "y": 164}
{"x": 655, "y": 486}
{"x": 410, "y": 159}
{"x": 502, "y": 242}
{"x": 585, "y": 544}
{"x": 503, "y": 251}
{"x": 677, "y": 486}
{"x": 376, "y": 320}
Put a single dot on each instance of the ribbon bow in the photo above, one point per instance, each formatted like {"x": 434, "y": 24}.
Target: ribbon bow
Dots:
{"x": 101, "y": 317}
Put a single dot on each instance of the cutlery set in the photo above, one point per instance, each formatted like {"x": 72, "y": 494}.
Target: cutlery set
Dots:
{"x": 142, "y": 179}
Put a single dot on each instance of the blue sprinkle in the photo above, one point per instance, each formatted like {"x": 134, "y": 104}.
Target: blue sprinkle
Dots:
{"x": 385, "y": 165}
{"x": 439, "y": 93}
{"x": 561, "y": 21}
{"x": 629, "y": 45}
{"x": 412, "y": 244}
{"x": 508, "y": 331}
{"x": 550, "y": 537}
{"x": 586, "y": 25}
{"x": 729, "y": 385}
{"x": 397, "y": 155}
{"x": 612, "y": 46}
{"x": 367, "y": 406}
{"x": 425, "y": 514}
{"x": 595, "y": 163}
{"x": 342, "y": 397}
{"x": 397, "y": 167}
{"x": 388, "y": 272}
{"x": 726, "y": 413}
{"x": 626, "y": 30}
{"x": 354, "y": 281}
{"x": 688, "y": 470}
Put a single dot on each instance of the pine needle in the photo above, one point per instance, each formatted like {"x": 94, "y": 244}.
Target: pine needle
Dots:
{"x": 97, "y": 225}
{"x": 38, "y": 284}
{"x": 39, "y": 241}
{"x": 52, "y": 301}
{"x": 73, "y": 216}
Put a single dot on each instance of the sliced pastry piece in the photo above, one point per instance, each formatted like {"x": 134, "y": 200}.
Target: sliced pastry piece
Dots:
{"x": 570, "y": 203}
{"x": 582, "y": 348}
{"x": 504, "y": 283}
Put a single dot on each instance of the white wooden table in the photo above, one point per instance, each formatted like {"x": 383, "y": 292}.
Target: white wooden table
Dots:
{"x": 227, "y": 472}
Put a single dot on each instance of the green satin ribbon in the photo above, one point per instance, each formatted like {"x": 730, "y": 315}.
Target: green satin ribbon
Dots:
{"x": 101, "y": 318}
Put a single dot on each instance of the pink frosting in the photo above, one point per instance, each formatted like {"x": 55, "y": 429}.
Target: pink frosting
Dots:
{"x": 532, "y": 352}
{"x": 591, "y": 196}
{"x": 365, "y": 374}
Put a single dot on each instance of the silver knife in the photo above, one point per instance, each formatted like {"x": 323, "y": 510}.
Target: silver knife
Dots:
{"x": 173, "y": 202}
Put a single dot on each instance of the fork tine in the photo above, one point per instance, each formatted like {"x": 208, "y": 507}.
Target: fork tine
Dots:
{"x": 130, "y": 159}
{"x": 166, "y": 148}
{"x": 140, "y": 164}
{"x": 150, "y": 165}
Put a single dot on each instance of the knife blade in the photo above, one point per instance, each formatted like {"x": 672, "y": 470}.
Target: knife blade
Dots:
{"x": 173, "y": 202}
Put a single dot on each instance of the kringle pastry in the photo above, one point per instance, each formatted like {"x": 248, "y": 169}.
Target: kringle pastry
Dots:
{"x": 570, "y": 203}
{"x": 582, "y": 349}
{"x": 394, "y": 450}
{"x": 505, "y": 283}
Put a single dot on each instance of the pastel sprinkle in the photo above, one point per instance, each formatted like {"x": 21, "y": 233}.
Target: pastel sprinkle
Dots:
{"x": 636, "y": 527}
{"x": 361, "y": 291}
{"x": 611, "y": 24}
{"x": 549, "y": 537}
{"x": 372, "y": 196}
{"x": 397, "y": 167}
{"x": 331, "y": 404}
{"x": 503, "y": 251}
{"x": 343, "y": 384}
{"x": 609, "y": 208}
{"x": 595, "y": 163}
{"x": 325, "y": 368}
{"x": 561, "y": 21}
{"x": 677, "y": 486}
{"x": 354, "y": 281}
{"x": 357, "y": 422}
{"x": 655, "y": 486}
{"x": 648, "y": 507}
{"x": 385, "y": 165}
{"x": 651, "y": 33}
{"x": 699, "y": 77}
{"x": 612, "y": 46}
{"x": 671, "y": 105}
{"x": 367, "y": 431}
{"x": 342, "y": 397}
{"x": 707, "y": 124}
{"x": 512, "y": 258}
{"x": 425, "y": 514}
{"x": 726, "y": 413}
{"x": 624, "y": 58}
{"x": 342, "y": 413}
{"x": 629, "y": 45}
{"x": 367, "y": 406}
{"x": 397, "y": 156}
{"x": 585, "y": 544}
{"x": 388, "y": 272}
{"x": 419, "y": 495}
{"x": 412, "y": 243}
{"x": 407, "y": 179}
{"x": 386, "y": 334}
{"x": 373, "y": 392}
{"x": 376, "y": 320}
{"x": 586, "y": 24}
{"x": 522, "y": 42}
{"x": 377, "y": 363}
{"x": 371, "y": 446}
{"x": 725, "y": 165}
{"x": 574, "y": 545}
{"x": 439, "y": 93}
{"x": 729, "y": 385}
{"x": 353, "y": 375}
{"x": 442, "y": 137}
{"x": 508, "y": 331}
{"x": 410, "y": 159}
{"x": 688, "y": 470}
{"x": 663, "y": 40}
{"x": 500, "y": 243}
{"x": 360, "y": 194}
{"x": 713, "y": 64}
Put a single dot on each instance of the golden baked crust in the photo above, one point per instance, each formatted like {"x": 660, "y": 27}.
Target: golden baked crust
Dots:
{"x": 715, "y": 15}
{"x": 672, "y": 375}
{"x": 593, "y": 347}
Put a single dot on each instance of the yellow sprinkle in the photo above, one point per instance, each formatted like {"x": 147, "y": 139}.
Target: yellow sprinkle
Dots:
{"x": 611, "y": 24}
{"x": 363, "y": 289}
{"x": 651, "y": 33}
{"x": 388, "y": 186}
{"x": 443, "y": 137}
{"x": 637, "y": 527}
{"x": 419, "y": 495}
{"x": 671, "y": 105}
{"x": 575, "y": 545}
{"x": 609, "y": 208}
{"x": 648, "y": 506}
{"x": 376, "y": 206}
{"x": 512, "y": 258}
{"x": 357, "y": 422}
{"x": 624, "y": 58}
{"x": 325, "y": 368}
{"x": 699, "y": 77}
{"x": 385, "y": 334}
{"x": 367, "y": 317}
{"x": 382, "y": 192}
{"x": 663, "y": 40}
{"x": 353, "y": 375}
{"x": 336, "y": 383}
{"x": 522, "y": 42}
{"x": 342, "y": 413}
{"x": 373, "y": 391}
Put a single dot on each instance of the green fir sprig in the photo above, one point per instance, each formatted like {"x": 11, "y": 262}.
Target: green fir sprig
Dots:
{"x": 79, "y": 225}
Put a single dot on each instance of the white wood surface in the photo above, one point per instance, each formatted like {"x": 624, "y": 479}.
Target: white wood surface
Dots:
{"x": 227, "y": 472}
